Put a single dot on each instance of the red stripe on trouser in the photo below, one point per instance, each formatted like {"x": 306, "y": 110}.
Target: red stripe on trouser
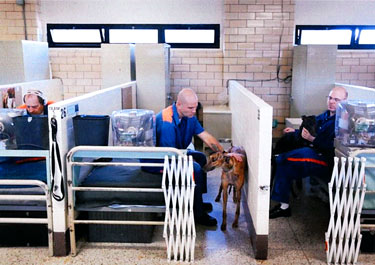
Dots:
{"x": 316, "y": 161}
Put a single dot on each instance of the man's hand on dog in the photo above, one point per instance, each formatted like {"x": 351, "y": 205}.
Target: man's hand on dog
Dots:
{"x": 306, "y": 135}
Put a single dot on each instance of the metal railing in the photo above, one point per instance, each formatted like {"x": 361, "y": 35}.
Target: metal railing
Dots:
{"x": 177, "y": 186}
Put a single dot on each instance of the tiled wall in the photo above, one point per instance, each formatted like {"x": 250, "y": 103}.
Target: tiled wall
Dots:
{"x": 202, "y": 70}
{"x": 12, "y": 22}
{"x": 79, "y": 70}
{"x": 258, "y": 40}
{"x": 356, "y": 68}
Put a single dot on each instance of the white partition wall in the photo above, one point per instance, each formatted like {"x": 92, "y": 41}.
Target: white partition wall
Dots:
{"x": 153, "y": 76}
{"x": 23, "y": 61}
{"x": 118, "y": 64}
{"x": 102, "y": 102}
{"x": 252, "y": 129}
{"x": 314, "y": 72}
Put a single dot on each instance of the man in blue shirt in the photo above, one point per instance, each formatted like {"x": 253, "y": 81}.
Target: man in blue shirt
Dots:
{"x": 175, "y": 127}
{"x": 306, "y": 161}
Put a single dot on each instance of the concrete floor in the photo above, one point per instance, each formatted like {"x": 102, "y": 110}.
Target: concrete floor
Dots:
{"x": 295, "y": 240}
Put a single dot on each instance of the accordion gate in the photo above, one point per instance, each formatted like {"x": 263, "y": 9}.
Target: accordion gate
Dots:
{"x": 179, "y": 227}
{"x": 347, "y": 190}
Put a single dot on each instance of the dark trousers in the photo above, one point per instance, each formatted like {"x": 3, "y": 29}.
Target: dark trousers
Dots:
{"x": 295, "y": 165}
{"x": 200, "y": 178}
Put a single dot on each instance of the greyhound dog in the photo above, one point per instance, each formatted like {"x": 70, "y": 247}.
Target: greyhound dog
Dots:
{"x": 233, "y": 164}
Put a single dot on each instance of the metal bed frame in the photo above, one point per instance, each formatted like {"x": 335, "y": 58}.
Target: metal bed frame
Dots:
{"x": 75, "y": 159}
{"x": 23, "y": 182}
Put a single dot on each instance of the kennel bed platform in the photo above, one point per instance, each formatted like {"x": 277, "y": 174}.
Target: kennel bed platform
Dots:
{"x": 22, "y": 193}
{"x": 106, "y": 192}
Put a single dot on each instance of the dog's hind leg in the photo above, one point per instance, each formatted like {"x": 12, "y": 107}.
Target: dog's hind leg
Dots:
{"x": 238, "y": 201}
{"x": 225, "y": 199}
{"x": 217, "y": 199}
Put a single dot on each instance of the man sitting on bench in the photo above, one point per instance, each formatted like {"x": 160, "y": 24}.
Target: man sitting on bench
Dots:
{"x": 316, "y": 159}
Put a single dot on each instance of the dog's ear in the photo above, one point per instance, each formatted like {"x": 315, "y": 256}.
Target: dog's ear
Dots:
{"x": 303, "y": 117}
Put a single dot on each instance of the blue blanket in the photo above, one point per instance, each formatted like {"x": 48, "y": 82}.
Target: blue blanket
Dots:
{"x": 15, "y": 168}
{"x": 120, "y": 176}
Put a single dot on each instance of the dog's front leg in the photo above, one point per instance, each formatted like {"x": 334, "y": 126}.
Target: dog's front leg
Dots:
{"x": 238, "y": 200}
{"x": 234, "y": 194}
{"x": 224, "y": 185}
{"x": 217, "y": 199}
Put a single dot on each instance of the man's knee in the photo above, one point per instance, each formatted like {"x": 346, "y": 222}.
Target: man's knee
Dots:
{"x": 198, "y": 157}
{"x": 198, "y": 173}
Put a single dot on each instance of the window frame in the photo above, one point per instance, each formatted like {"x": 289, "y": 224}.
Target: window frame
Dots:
{"x": 105, "y": 28}
{"x": 354, "y": 45}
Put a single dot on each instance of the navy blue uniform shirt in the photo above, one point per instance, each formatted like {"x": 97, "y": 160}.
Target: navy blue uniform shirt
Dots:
{"x": 173, "y": 132}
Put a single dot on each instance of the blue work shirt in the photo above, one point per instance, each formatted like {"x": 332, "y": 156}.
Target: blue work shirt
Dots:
{"x": 173, "y": 132}
{"x": 325, "y": 133}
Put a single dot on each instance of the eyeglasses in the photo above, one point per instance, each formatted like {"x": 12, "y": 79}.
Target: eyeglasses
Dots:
{"x": 337, "y": 100}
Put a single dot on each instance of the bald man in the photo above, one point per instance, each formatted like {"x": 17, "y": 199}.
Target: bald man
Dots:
{"x": 175, "y": 127}
{"x": 35, "y": 103}
{"x": 306, "y": 161}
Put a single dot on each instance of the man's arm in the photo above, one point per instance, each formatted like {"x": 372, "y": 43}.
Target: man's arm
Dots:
{"x": 211, "y": 141}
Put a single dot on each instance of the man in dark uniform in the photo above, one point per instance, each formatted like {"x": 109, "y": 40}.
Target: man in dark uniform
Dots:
{"x": 306, "y": 161}
{"x": 175, "y": 127}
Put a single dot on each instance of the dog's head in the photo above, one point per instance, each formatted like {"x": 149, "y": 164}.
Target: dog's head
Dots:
{"x": 228, "y": 162}
{"x": 215, "y": 159}
{"x": 309, "y": 122}
{"x": 234, "y": 162}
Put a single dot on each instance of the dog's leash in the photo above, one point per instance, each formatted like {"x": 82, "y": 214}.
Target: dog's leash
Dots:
{"x": 56, "y": 153}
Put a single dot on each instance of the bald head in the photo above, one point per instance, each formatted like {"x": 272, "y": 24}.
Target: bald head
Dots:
{"x": 186, "y": 95}
{"x": 187, "y": 102}
{"x": 336, "y": 95}
{"x": 341, "y": 90}
{"x": 34, "y": 104}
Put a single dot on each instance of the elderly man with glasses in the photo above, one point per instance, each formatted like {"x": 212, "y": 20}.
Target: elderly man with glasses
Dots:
{"x": 316, "y": 159}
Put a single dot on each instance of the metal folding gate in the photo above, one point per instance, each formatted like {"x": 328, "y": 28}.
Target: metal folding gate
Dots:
{"x": 179, "y": 228}
{"x": 346, "y": 194}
